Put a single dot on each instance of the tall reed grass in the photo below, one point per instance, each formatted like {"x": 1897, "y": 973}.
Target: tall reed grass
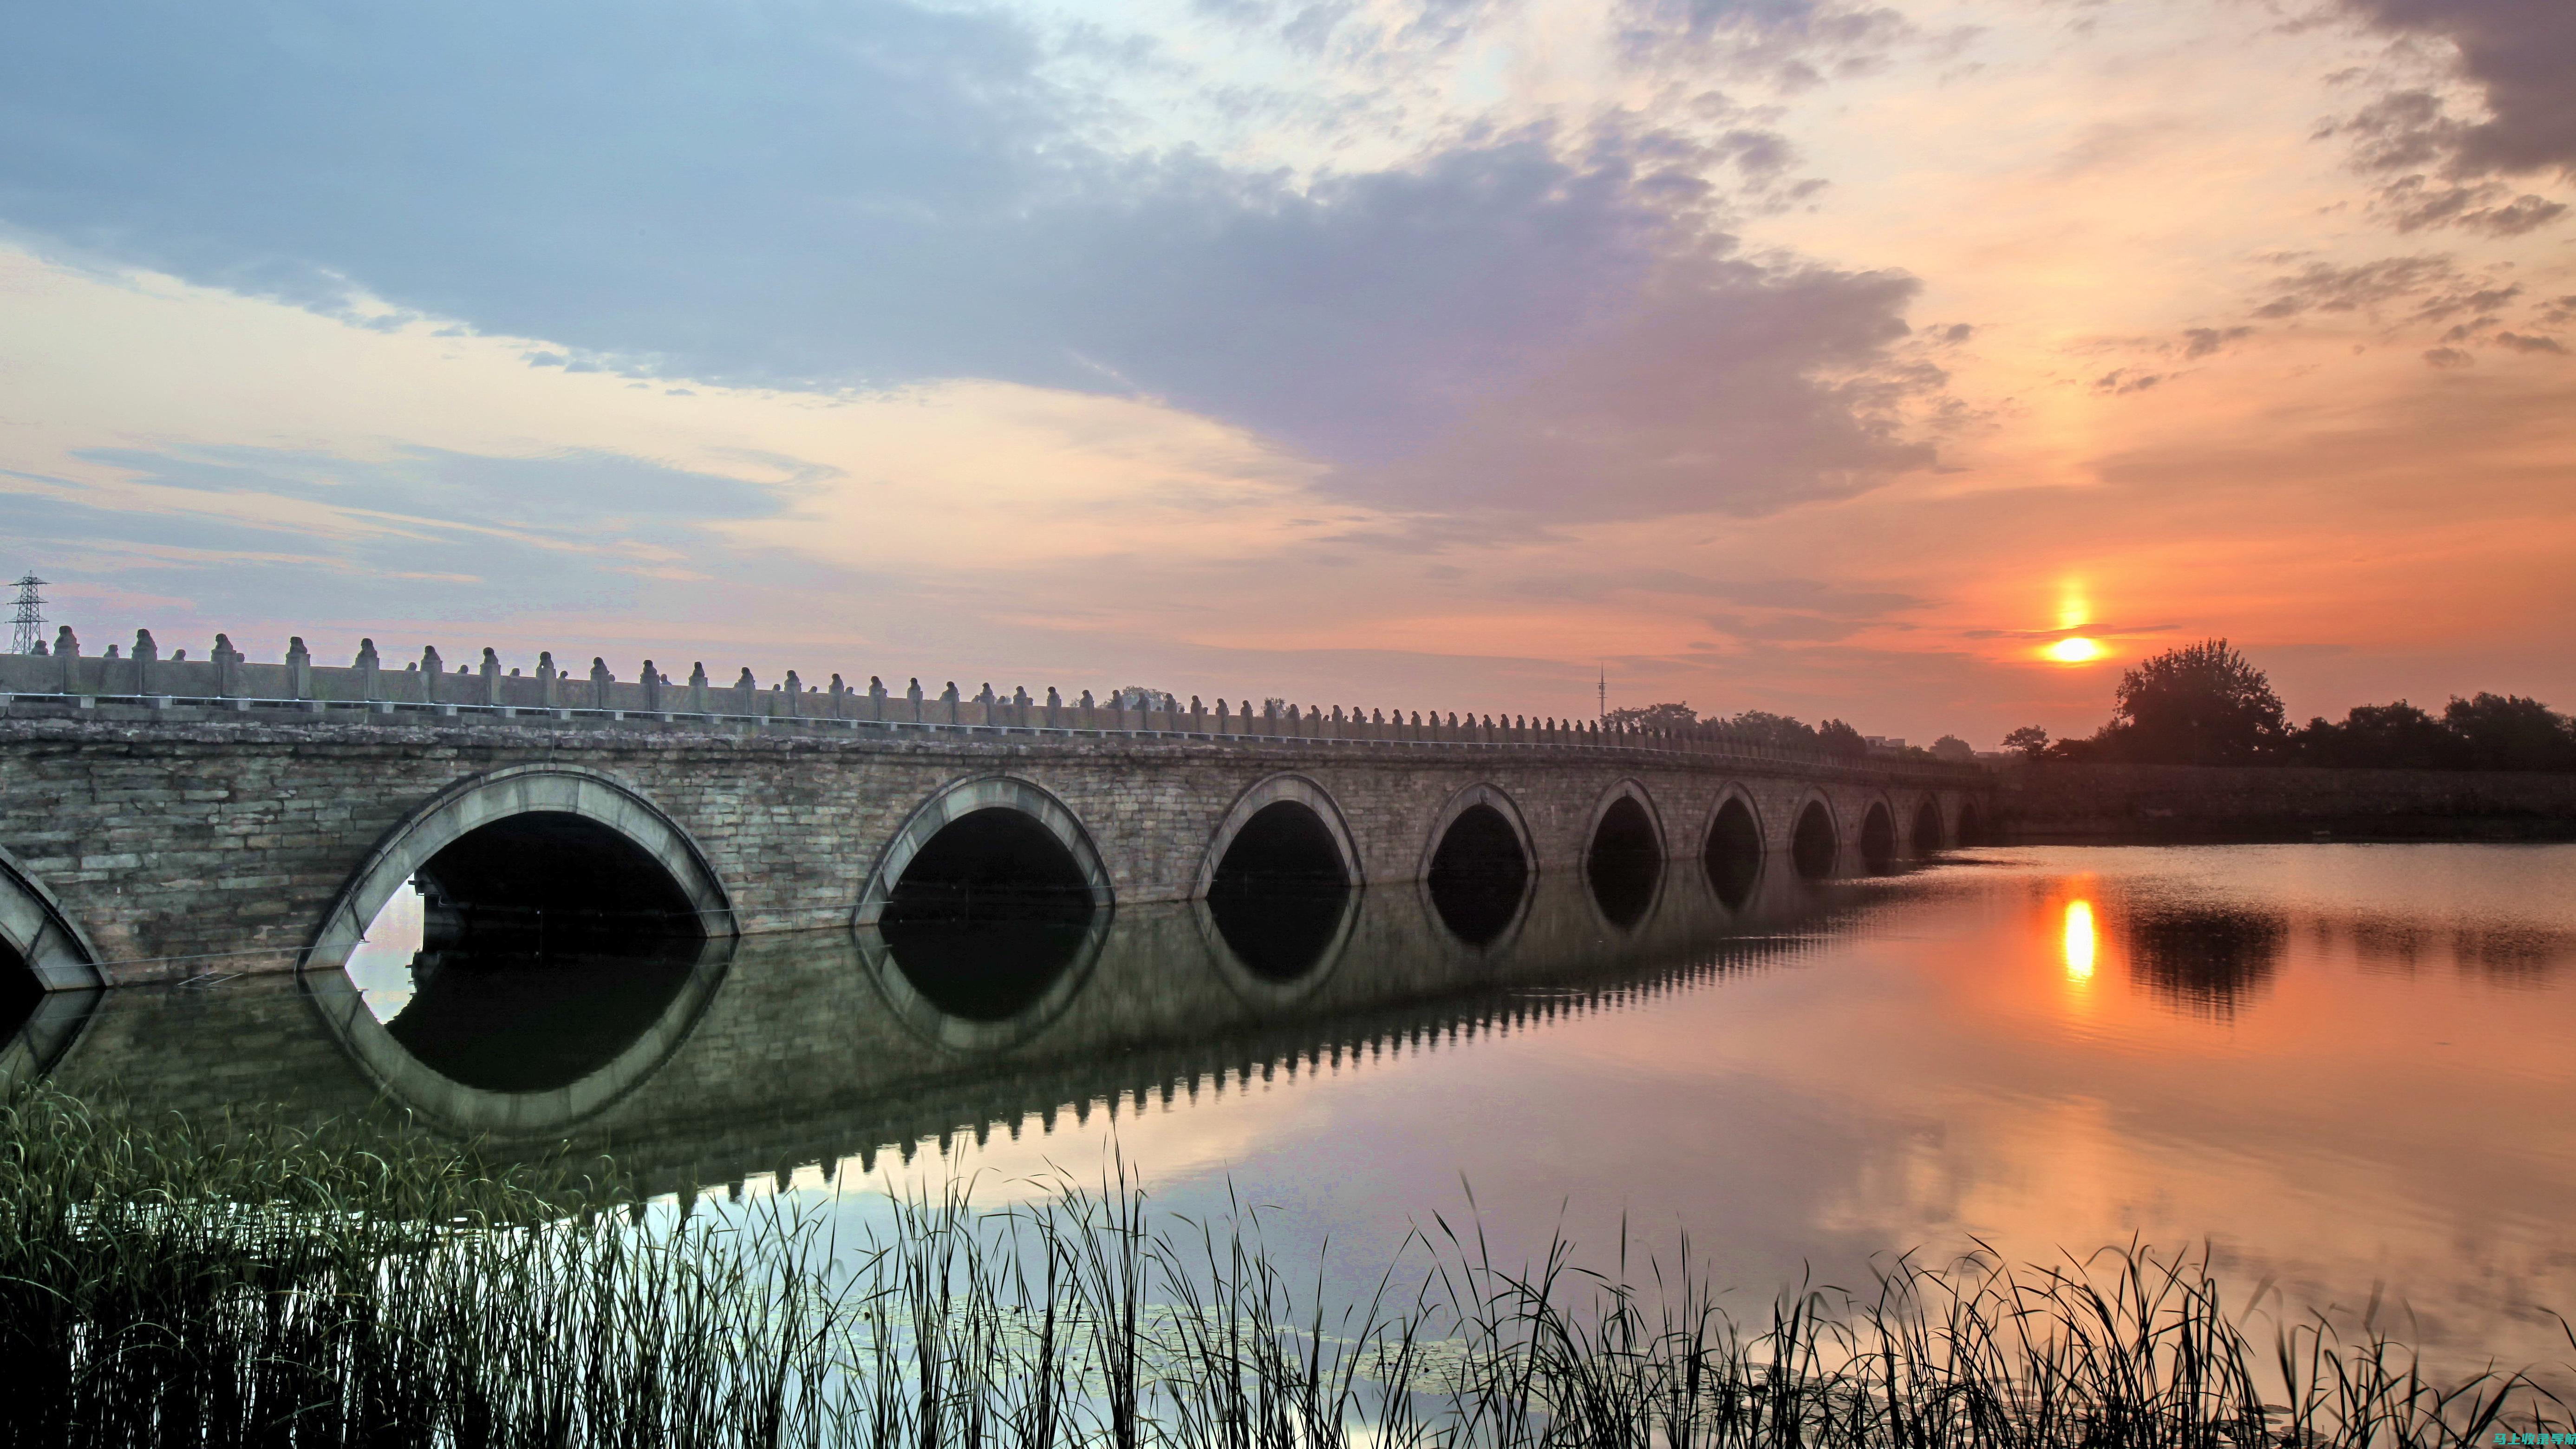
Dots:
{"x": 218, "y": 1283}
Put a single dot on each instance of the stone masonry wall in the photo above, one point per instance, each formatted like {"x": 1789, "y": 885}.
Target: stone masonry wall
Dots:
{"x": 186, "y": 849}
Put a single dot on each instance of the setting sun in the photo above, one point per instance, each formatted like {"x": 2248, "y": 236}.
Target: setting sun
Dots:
{"x": 2074, "y": 651}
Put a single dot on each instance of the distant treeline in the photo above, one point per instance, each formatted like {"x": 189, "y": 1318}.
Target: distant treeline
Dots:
{"x": 1762, "y": 727}
{"x": 2204, "y": 704}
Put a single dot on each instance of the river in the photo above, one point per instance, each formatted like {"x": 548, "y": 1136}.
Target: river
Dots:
{"x": 2346, "y": 1073}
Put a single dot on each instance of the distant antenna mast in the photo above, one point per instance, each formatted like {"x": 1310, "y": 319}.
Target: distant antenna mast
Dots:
{"x": 27, "y": 626}
{"x": 1604, "y": 691}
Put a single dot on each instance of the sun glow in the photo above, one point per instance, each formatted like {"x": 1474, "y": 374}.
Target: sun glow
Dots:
{"x": 2079, "y": 940}
{"x": 2075, "y": 651}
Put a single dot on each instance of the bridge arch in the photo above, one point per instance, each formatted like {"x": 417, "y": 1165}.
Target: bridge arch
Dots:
{"x": 1815, "y": 836}
{"x": 1732, "y": 851}
{"x": 985, "y": 914}
{"x": 1278, "y": 889}
{"x": 972, "y": 795}
{"x": 1878, "y": 835}
{"x": 1971, "y": 826}
{"x": 1924, "y": 838}
{"x": 49, "y": 975}
{"x": 35, "y": 930}
{"x": 566, "y": 809}
{"x": 1298, "y": 792}
{"x": 1479, "y": 867}
{"x": 1623, "y": 854}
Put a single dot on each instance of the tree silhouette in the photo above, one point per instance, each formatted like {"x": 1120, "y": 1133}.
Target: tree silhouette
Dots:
{"x": 1653, "y": 717}
{"x": 2382, "y": 736}
{"x": 2509, "y": 732}
{"x": 1841, "y": 739}
{"x": 2029, "y": 739}
{"x": 2201, "y": 704}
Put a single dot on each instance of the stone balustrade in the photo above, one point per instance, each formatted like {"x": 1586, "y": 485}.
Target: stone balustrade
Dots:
{"x": 227, "y": 679}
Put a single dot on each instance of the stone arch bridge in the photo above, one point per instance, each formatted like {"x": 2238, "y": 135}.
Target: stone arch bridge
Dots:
{"x": 167, "y": 820}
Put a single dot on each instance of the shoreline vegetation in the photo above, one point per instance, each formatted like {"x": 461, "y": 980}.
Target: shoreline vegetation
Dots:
{"x": 239, "y": 1281}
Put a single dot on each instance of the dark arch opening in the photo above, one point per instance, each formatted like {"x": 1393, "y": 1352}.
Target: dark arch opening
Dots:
{"x": 1877, "y": 839}
{"x": 1814, "y": 845}
{"x": 1625, "y": 862}
{"x": 1972, "y": 826}
{"x": 987, "y": 915}
{"x": 1280, "y": 890}
{"x": 549, "y": 943}
{"x": 1478, "y": 875}
{"x": 20, "y": 992}
{"x": 1733, "y": 857}
{"x": 1927, "y": 828}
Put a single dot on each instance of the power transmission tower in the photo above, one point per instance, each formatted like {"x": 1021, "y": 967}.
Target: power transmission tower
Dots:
{"x": 27, "y": 631}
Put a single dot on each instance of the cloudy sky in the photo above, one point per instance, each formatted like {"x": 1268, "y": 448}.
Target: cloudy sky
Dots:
{"x": 1831, "y": 358}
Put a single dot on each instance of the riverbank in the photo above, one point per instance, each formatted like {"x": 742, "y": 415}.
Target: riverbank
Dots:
{"x": 2061, "y": 804}
{"x": 263, "y": 1285}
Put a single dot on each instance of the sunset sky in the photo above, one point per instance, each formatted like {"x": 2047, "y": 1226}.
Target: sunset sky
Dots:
{"x": 1833, "y": 359}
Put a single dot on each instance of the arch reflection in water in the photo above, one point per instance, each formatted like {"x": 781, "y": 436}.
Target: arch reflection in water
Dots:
{"x": 1624, "y": 866}
{"x": 1479, "y": 876}
{"x": 1281, "y": 897}
{"x": 1732, "y": 858}
{"x": 36, "y": 1026}
{"x": 481, "y": 1023}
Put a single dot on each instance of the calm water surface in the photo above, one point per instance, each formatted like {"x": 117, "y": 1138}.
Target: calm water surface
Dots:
{"x": 2348, "y": 1071}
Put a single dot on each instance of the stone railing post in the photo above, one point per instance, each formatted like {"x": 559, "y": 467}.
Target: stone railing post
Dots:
{"x": 1054, "y": 708}
{"x": 547, "y": 674}
{"x": 371, "y": 685}
{"x": 652, "y": 680}
{"x": 698, "y": 687}
{"x": 840, "y": 692}
{"x": 431, "y": 667}
{"x": 746, "y": 694}
{"x": 949, "y": 702}
{"x": 145, "y": 652}
{"x": 491, "y": 676}
{"x": 228, "y": 663}
{"x": 1020, "y": 703}
{"x": 876, "y": 698}
{"x": 912, "y": 698}
{"x": 600, "y": 680}
{"x": 67, "y": 657}
{"x": 1090, "y": 712}
{"x": 299, "y": 669}
{"x": 795, "y": 689}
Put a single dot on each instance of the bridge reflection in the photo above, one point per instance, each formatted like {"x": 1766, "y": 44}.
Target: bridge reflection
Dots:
{"x": 698, "y": 1063}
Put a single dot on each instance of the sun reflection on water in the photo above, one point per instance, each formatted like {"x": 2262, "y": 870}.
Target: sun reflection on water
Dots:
{"x": 2079, "y": 940}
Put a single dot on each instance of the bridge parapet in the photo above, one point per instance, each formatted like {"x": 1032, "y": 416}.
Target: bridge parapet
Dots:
{"x": 64, "y": 682}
